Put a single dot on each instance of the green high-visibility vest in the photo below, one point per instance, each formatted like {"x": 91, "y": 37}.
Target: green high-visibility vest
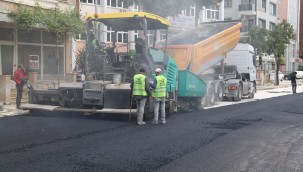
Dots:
{"x": 139, "y": 85}
{"x": 160, "y": 90}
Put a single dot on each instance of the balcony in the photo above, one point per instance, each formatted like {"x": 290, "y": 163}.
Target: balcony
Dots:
{"x": 247, "y": 10}
{"x": 246, "y": 7}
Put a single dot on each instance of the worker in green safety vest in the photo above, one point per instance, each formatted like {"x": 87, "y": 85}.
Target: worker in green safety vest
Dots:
{"x": 159, "y": 93}
{"x": 140, "y": 91}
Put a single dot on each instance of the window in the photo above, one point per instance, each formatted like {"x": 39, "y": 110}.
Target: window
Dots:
{"x": 50, "y": 62}
{"x": 115, "y": 3}
{"x": 121, "y": 37}
{"x": 272, "y": 9}
{"x": 228, "y": 4}
{"x": 162, "y": 35}
{"x": 50, "y": 38}
{"x": 189, "y": 11}
{"x": 7, "y": 34}
{"x": 136, "y": 34}
{"x": 263, "y": 5}
{"x": 251, "y": 23}
{"x": 34, "y": 36}
{"x": 244, "y": 26}
{"x": 110, "y": 35}
{"x": 262, "y": 23}
{"x": 212, "y": 14}
{"x": 23, "y": 55}
{"x": 272, "y": 26}
{"x": 81, "y": 36}
{"x": 90, "y": 2}
{"x": 247, "y": 25}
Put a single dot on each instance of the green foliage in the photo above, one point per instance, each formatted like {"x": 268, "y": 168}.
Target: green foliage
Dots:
{"x": 277, "y": 42}
{"x": 54, "y": 20}
{"x": 24, "y": 18}
{"x": 279, "y": 38}
{"x": 258, "y": 37}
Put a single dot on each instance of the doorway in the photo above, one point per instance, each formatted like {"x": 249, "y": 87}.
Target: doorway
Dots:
{"x": 6, "y": 59}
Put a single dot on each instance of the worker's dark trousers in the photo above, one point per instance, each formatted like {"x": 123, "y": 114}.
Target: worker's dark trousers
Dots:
{"x": 19, "y": 95}
{"x": 294, "y": 87}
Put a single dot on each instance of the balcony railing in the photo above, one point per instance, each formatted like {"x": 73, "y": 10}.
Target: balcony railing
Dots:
{"x": 245, "y": 7}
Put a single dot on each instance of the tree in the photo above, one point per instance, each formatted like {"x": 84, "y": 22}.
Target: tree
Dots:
{"x": 258, "y": 39}
{"x": 277, "y": 42}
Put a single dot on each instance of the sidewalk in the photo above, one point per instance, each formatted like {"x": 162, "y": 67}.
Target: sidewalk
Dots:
{"x": 10, "y": 110}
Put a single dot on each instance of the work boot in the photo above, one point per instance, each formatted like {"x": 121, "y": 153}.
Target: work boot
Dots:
{"x": 163, "y": 122}
{"x": 154, "y": 122}
{"x": 141, "y": 123}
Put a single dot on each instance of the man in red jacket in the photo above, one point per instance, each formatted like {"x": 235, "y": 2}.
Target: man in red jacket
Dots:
{"x": 20, "y": 79}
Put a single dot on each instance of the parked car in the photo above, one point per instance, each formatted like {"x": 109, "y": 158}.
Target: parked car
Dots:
{"x": 299, "y": 74}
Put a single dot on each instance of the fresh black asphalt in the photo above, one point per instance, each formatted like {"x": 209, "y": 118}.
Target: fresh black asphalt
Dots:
{"x": 265, "y": 135}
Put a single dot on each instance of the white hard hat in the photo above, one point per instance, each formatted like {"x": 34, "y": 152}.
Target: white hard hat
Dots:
{"x": 158, "y": 70}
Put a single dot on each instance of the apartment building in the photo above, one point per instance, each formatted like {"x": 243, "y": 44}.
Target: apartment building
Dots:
{"x": 266, "y": 14}
{"x": 36, "y": 50}
{"x": 289, "y": 10}
{"x": 301, "y": 30}
{"x": 262, "y": 13}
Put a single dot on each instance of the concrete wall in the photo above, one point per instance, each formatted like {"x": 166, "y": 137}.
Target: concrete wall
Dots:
{"x": 5, "y": 89}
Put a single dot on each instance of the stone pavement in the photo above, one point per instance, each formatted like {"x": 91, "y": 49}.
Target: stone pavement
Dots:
{"x": 10, "y": 110}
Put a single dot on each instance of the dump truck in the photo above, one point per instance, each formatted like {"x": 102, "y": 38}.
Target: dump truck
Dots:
{"x": 201, "y": 49}
{"x": 109, "y": 71}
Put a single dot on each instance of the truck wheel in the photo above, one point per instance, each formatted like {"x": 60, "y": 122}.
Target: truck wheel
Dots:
{"x": 219, "y": 95}
{"x": 211, "y": 95}
{"x": 239, "y": 94}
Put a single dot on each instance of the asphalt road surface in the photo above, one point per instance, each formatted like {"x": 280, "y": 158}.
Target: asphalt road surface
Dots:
{"x": 261, "y": 135}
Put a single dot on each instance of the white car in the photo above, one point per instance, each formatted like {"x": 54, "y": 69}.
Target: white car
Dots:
{"x": 281, "y": 76}
{"x": 299, "y": 74}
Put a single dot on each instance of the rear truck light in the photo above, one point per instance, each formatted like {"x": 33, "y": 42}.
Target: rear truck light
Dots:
{"x": 232, "y": 87}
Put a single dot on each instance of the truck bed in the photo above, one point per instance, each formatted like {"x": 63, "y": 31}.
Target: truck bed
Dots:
{"x": 200, "y": 48}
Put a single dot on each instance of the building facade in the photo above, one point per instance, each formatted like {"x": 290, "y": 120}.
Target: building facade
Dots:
{"x": 262, "y": 13}
{"x": 289, "y": 10}
{"x": 267, "y": 14}
{"x": 36, "y": 50}
{"x": 301, "y": 30}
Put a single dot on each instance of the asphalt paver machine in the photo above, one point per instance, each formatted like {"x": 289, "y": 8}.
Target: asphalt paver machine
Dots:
{"x": 109, "y": 68}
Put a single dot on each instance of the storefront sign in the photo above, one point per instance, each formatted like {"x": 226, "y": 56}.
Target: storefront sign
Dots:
{"x": 33, "y": 62}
